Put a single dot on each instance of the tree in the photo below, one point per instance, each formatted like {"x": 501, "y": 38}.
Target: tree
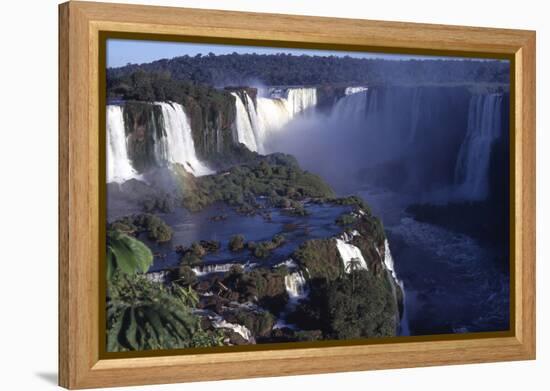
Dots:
{"x": 353, "y": 265}
{"x": 144, "y": 314}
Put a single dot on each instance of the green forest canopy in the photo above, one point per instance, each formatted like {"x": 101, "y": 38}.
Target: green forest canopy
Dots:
{"x": 286, "y": 69}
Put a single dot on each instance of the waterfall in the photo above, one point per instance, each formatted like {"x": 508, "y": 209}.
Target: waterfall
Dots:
{"x": 178, "y": 145}
{"x": 390, "y": 267}
{"x": 219, "y": 323}
{"x": 273, "y": 114}
{"x": 484, "y": 128}
{"x": 203, "y": 270}
{"x": 351, "y": 107}
{"x": 255, "y": 123}
{"x": 119, "y": 167}
{"x": 349, "y": 252}
{"x": 388, "y": 260}
{"x": 295, "y": 284}
{"x": 245, "y": 131}
{"x": 300, "y": 99}
{"x": 354, "y": 90}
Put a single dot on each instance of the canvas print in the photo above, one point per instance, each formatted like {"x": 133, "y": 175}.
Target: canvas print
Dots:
{"x": 261, "y": 195}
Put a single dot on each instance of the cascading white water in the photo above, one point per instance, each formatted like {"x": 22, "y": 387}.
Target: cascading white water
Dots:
{"x": 300, "y": 99}
{"x": 178, "y": 145}
{"x": 388, "y": 260}
{"x": 213, "y": 268}
{"x": 348, "y": 253}
{"x": 119, "y": 166}
{"x": 255, "y": 123}
{"x": 273, "y": 114}
{"x": 295, "y": 284}
{"x": 403, "y": 328}
{"x": 219, "y": 323}
{"x": 245, "y": 131}
{"x": 354, "y": 90}
{"x": 484, "y": 128}
{"x": 350, "y": 108}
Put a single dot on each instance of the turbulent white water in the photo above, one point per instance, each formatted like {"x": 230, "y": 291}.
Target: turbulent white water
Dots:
{"x": 388, "y": 260}
{"x": 220, "y": 323}
{"x": 213, "y": 268}
{"x": 354, "y": 90}
{"x": 403, "y": 328}
{"x": 245, "y": 131}
{"x": 300, "y": 99}
{"x": 255, "y": 123}
{"x": 484, "y": 127}
{"x": 295, "y": 284}
{"x": 119, "y": 166}
{"x": 349, "y": 252}
{"x": 178, "y": 145}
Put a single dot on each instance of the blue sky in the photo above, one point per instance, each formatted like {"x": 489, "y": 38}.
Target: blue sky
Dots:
{"x": 123, "y": 51}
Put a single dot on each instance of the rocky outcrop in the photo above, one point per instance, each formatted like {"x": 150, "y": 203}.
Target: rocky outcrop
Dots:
{"x": 143, "y": 124}
{"x": 212, "y": 118}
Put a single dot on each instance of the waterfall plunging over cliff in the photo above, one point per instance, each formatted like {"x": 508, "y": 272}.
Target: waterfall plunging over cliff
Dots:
{"x": 352, "y": 107}
{"x": 299, "y": 99}
{"x": 295, "y": 285}
{"x": 135, "y": 145}
{"x": 484, "y": 128}
{"x": 245, "y": 130}
{"x": 256, "y": 122}
{"x": 354, "y": 90}
{"x": 178, "y": 145}
{"x": 119, "y": 167}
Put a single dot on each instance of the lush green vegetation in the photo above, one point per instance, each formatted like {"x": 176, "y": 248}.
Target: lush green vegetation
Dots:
{"x": 142, "y": 314}
{"x": 321, "y": 259}
{"x": 236, "y": 243}
{"x": 356, "y": 305}
{"x": 346, "y": 219}
{"x": 126, "y": 255}
{"x": 361, "y": 305}
{"x": 155, "y": 228}
{"x": 284, "y": 69}
{"x": 261, "y": 285}
{"x": 275, "y": 176}
{"x": 264, "y": 249}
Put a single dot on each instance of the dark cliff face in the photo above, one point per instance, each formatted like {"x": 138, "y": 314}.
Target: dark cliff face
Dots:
{"x": 212, "y": 119}
{"x": 143, "y": 124}
{"x": 427, "y": 124}
{"x": 328, "y": 95}
{"x": 252, "y": 92}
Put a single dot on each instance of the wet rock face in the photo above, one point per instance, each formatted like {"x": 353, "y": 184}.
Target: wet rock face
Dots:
{"x": 143, "y": 124}
{"x": 327, "y": 96}
{"x": 212, "y": 118}
{"x": 240, "y": 90}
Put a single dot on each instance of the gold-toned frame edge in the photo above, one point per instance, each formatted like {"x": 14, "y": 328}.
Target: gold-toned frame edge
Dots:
{"x": 80, "y": 23}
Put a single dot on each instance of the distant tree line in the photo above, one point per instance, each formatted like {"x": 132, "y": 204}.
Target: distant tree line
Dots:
{"x": 285, "y": 69}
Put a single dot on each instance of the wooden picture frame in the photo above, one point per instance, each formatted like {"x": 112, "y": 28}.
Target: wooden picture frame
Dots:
{"x": 81, "y": 25}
